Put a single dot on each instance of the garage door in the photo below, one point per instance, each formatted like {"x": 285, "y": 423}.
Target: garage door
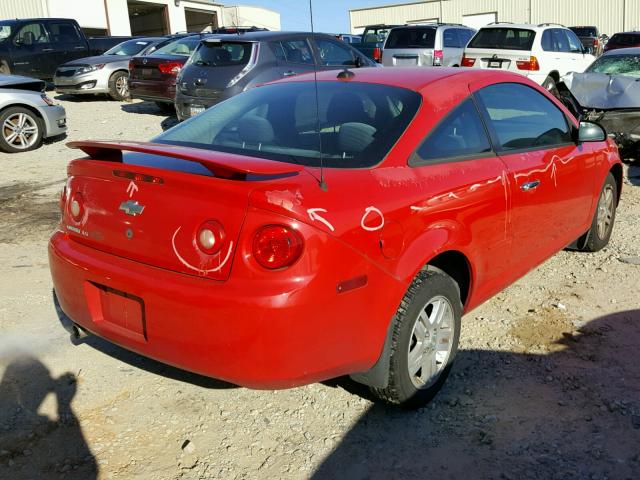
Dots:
{"x": 199, "y": 20}
{"x": 479, "y": 20}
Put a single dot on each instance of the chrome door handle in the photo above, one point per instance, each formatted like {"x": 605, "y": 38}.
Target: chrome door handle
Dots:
{"x": 525, "y": 187}
{"x": 79, "y": 48}
{"x": 45, "y": 50}
{"x": 290, "y": 73}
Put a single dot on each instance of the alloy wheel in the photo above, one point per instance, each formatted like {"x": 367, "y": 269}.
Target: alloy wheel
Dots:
{"x": 20, "y": 131}
{"x": 605, "y": 211}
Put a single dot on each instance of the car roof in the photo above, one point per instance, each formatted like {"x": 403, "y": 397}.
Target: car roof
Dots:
{"x": 524, "y": 26}
{"x": 431, "y": 25}
{"x": 623, "y": 51}
{"x": 412, "y": 78}
{"x": 263, "y": 35}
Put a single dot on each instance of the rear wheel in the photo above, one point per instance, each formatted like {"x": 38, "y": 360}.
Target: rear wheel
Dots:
{"x": 602, "y": 223}
{"x": 21, "y": 130}
{"x": 119, "y": 86}
{"x": 424, "y": 340}
{"x": 550, "y": 86}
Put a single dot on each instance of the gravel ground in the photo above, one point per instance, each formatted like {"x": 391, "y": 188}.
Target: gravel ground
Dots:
{"x": 546, "y": 385}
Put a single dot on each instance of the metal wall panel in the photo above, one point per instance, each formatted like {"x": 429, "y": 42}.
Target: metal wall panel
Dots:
{"x": 610, "y": 16}
{"x": 23, "y": 9}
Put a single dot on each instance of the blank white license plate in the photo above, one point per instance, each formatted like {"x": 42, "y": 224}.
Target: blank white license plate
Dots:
{"x": 495, "y": 63}
{"x": 195, "y": 110}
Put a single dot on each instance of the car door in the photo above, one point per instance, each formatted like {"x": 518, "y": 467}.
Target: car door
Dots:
{"x": 562, "y": 59}
{"x": 67, "y": 41}
{"x": 294, "y": 56}
{"x": 32, "y": 51}
{"x": 464, "y": 183}
{"x": 549, "y": 175}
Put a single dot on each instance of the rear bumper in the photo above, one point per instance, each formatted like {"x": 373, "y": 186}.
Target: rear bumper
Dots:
{"x": 154, "y": 91}
{"x": 275, "y": 334}
{"x": 185, "y": 103}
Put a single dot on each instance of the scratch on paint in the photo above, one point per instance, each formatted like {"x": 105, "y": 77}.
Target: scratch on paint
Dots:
{"x": 201, "y": 271}
{"x": 284, "y": 198}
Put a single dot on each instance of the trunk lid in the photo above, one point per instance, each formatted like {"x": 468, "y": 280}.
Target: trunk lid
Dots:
{"x": 148, "y": 203}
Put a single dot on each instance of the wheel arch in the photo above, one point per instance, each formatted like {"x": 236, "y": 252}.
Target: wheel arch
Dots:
{"x": 555, "y": 75}
{"x": 23, "y": 105}
{"x": 616, "y": 171}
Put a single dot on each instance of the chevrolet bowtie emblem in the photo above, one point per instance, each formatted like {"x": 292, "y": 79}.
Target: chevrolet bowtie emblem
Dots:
{"x": 131, "y": 207}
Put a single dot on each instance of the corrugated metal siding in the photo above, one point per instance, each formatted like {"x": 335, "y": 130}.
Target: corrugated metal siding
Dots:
{"x": 22, "y": 9}
{"x": 607, "y": 15}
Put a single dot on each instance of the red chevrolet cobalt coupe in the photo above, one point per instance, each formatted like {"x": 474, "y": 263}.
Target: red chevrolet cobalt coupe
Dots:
{"x": 270, "y": 244}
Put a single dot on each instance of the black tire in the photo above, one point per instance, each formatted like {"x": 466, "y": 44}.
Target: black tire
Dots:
{"x": 119, "y": 86}
{"x": 598, "y": 237}
{"x": 429, "y": 285}
{"x": 167, "y": 108}
{"x": 550, "y": 86}
{"x": 32, "y": 123}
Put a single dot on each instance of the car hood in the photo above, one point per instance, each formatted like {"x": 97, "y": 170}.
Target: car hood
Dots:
{"x": 17, "y": 82}
{"x": 604, "y": 92}
{"x": 98, "y": 60}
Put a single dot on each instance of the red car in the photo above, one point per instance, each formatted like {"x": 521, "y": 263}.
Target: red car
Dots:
{"x": 245, "y": 245}
{"x": 153, "y": 77}
{"x": 623, "y": 40}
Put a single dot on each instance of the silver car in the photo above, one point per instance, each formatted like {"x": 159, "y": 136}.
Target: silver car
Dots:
{"x": 107, "y": 73}
{"x": 27, "y": 115}
{"x": 426, "y": 45}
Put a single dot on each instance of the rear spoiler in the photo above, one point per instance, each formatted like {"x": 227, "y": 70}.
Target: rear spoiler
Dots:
{"x": 217, "y": 162}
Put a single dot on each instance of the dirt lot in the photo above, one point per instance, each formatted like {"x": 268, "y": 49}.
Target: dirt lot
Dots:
{"x": 546, "y": 386}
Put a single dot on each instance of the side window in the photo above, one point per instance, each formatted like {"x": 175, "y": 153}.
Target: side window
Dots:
{"x": 64, "y": 32}
{"x": 32, "y": 34}
{"x": 294, "y": 51}
{"x": 450, "y": 38}
{"x": 460, "y": 134}
{"x": 547, "y": 41}
{"x": 575, "y": 46}
{"x": 533, "y": 121}
{"x": 332, "y": 53}
{"x": 560, "y": 41}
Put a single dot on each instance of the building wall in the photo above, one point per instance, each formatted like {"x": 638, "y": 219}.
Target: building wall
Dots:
{"x": 23, "y": 9}
{"x": 91, "y": 15}
{"x": 247, "y": 16}
{"x": 610, "y": 16}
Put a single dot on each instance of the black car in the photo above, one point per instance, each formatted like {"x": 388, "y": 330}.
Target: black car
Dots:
{"x": 224, "y": 65}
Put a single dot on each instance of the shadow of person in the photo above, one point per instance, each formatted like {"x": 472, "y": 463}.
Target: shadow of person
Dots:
{"x": 31, "y": 444}
{"x": 572, "y": 413}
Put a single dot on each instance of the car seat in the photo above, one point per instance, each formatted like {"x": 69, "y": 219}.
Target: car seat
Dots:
{"x": 255, "y": 131}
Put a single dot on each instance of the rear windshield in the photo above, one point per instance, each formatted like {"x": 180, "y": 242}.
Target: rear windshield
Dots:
{"x": 184, "y": 46}
{"x": 358, "y": 123}
{"x": 625, "y": 39}
{"x": 222, "y": 54}
{"x": 411, "y": 38}
{"x": 128, "y": 48}
{"x": 628, "y": 65}
{"x": 503, "y": 39}
{"x": 585, "y": 31}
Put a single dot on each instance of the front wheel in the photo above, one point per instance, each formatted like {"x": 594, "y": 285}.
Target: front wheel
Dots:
{"x": 21, "y": 130}
{"x": 602, "y": 223}
{"x": 119, "y": 86}
{"x": 424, "y": 340}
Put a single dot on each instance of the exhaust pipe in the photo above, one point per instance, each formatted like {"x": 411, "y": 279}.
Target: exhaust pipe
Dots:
{"x": 74, "y": 330}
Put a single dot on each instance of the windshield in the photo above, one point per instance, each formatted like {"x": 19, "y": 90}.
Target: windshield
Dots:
{"x": 128, "y": 48}
{"x": 5, "y": 31}
{"x": 184, "y": 47}
{"x": 411, "y": 38}
{"x": 585, "y": 31}
{"x": 222, "y": 54}
{"x": 359, "y": 123}
{"x": 503, "y": 39}
{"x": 617, "y": 65}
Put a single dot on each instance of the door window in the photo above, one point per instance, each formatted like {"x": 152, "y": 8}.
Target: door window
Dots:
{"x": 460, "y": 134}
{"x": 293, "y": 51}
{"x": 575, "y": 46}
{"x": 64, "y": 32}
{"x": 547, "y": 41}
{"x": 32, "y": 34}
{"x": 560, "y": 41}
{"x": 531, "y": 122}
{"x": 332, "y": 53}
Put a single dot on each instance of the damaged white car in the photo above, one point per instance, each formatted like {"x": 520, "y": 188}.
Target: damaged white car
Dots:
{"x": 608, "y": 93}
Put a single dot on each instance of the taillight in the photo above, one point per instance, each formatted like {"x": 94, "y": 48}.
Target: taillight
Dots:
{"x": 530, "y": 65}
{"x": 377, "y": 54}
{"x": 277, "y": 246}
{"x": 131, "y": 65}
{"x": 468, "y": 62}
{"x": 210, "y": 237}
{"x": 170, "y": 67}
{"x": 76, "y": 208}
{"x": 595, "y": 42}
{"x": 438, "y": 57}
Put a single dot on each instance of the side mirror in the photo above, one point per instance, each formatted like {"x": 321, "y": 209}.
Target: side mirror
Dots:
{"x": 591, "y": 132}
